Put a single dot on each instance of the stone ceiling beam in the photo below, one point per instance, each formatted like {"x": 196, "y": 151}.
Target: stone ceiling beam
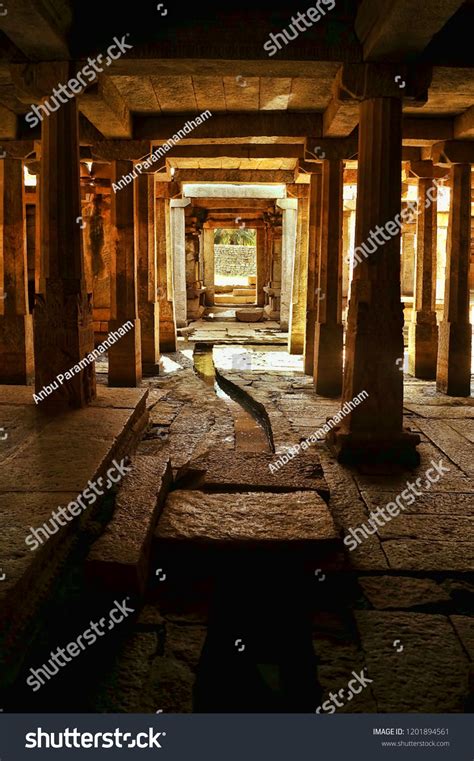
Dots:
{"x": 105, "y": 108}
{"x": 425, "y": 132}
{"x": 400, "y": 29}
{"x": 39, "y": 29}
{"x": 109, "y": 150}
{"x": 242, "y": 176}
{"x": 262, "y": 126}
{"x": 464, "y": 125}
{"x": 340, "y": 118}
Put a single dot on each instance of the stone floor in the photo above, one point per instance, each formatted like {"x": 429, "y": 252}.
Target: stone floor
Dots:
{"x": 253, "y": 603}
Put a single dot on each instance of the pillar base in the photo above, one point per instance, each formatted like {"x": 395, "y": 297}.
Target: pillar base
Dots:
{"x": 358, "y": 449}
{"x": 125, "y": 360}
{"x": 453, "y": 374}
{"x": 328, "y": 345}
{"x": 63, "y": 335}
{"x": 16, "y": 349}
{"x": 423, "y": 347}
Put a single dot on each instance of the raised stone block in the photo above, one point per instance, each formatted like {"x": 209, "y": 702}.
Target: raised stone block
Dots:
{"x": 248, "y": 518}
{"x": 249, "y": 315}
{"x": 234, "y": 471}
{"x": 119, "y": 560}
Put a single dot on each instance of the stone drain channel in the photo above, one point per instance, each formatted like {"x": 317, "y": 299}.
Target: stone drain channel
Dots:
{"x": 252, "y": 434}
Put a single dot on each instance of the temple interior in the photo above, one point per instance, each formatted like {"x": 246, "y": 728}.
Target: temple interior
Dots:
{"x": 237, "y": 273}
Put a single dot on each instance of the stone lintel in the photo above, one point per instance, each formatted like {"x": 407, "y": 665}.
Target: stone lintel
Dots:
{"x": 16, "y": 149}
{"x": 180, "y": 202}
{"x": 453, "y": 152}
{"x": 332, "y": 148}
{"x": 427, "y": 170}
{"x": 112, "y": 150}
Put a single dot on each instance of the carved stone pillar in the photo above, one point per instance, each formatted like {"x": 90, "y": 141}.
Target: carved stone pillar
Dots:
{"x": 63, "y": 331}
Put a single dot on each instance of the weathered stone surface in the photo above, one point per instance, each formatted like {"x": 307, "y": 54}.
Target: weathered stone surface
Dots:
{"x": 450, "y": 442}
{"x": 231, "y": 471}
{"x": 441, "y": 411}
{"x": 172, "y": 683}
{"x": 465, "y": 630}
{"x": 119, "y": 559}
{"x": 430, "y": 555}
{"x": 123, "y": 690}
{"x": 185, "y": 643}
{"x": 454, "y": 528}
{"x": 249, "y": 315}
{"x": 246, "y": 517}
{"x": 428, "y": 504}
{"x": 428, "y": 676}
{"x": 392, "y": 592}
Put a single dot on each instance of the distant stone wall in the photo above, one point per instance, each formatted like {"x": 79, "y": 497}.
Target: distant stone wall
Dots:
{"x": 235, "y": 261}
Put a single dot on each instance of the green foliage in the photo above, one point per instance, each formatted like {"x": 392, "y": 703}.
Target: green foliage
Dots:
{"x": 235, "y": 237}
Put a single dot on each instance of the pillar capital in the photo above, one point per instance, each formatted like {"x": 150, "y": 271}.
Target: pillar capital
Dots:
{"x": 427, "y": 170}
{"x": 453, "y": 152}
{"x": 361, "y": 81}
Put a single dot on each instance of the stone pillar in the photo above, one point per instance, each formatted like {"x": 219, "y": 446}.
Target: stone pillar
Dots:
{"x": 313, "y": 269}
{"x": 40, "y": 270}
{"x": 125, "y": 360}
{"x": 165, "y": 275}
{"x": 208, "y": 264}
{"x": 328, "y": 340}
{"x": 288, "y": 248}
{"x": 261, "y": 259}
{"x": 455, "y": 332}
{"x": 297, "y": 325}
{"x": 16, "y": 326}
{"x": 372, "y": 431}
{"x": 423, "y": 329}
{"x": 63, "y": 331}
{"x": 178, "y": 242}
{"x": 147, "y": 276}
{"x": 346, "y": 252}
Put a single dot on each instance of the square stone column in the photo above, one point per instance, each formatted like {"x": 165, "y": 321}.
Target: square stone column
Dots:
{"x": 178, "y": 243}
{"x": 147, "y": 275}
{"x": 261, "y": 258}
{"x": 289, "y": 208}
{"x": 165, "y": 273}
{"x": 297, "y": 324}
{"x": 423, "y": 328}
{"x": 16, "y": 327}
{"x": 63, "y": 330}
{"x": 313, "y": 268}
{"x": 453, "y": 373}
{"x": 125, "y": 360}
{"x": 208, "y": 274}
{"x": 372, "y": 430}
{"x": 328, "y": 339}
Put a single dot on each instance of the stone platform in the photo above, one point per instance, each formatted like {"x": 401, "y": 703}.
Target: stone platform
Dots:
{"x": 46, "y": 462}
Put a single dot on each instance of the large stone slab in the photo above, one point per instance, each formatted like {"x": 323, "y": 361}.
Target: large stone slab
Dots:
{"x": 234, "y": 471}
{"x": 119, "y": 560}
{"x": 97, "y": 433}
{"x": 430, "y": 674}
{"x": 247, "y": 518}
{"x": 396, "y": 592}
{"x": 429, "y": 555}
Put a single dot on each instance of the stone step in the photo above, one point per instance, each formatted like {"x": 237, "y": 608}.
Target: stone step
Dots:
{"x": 119, "y": 559}
{"x": 244, "y": 292}
{"x": 233, "y": 471}
{"x": 250, "y": 520}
